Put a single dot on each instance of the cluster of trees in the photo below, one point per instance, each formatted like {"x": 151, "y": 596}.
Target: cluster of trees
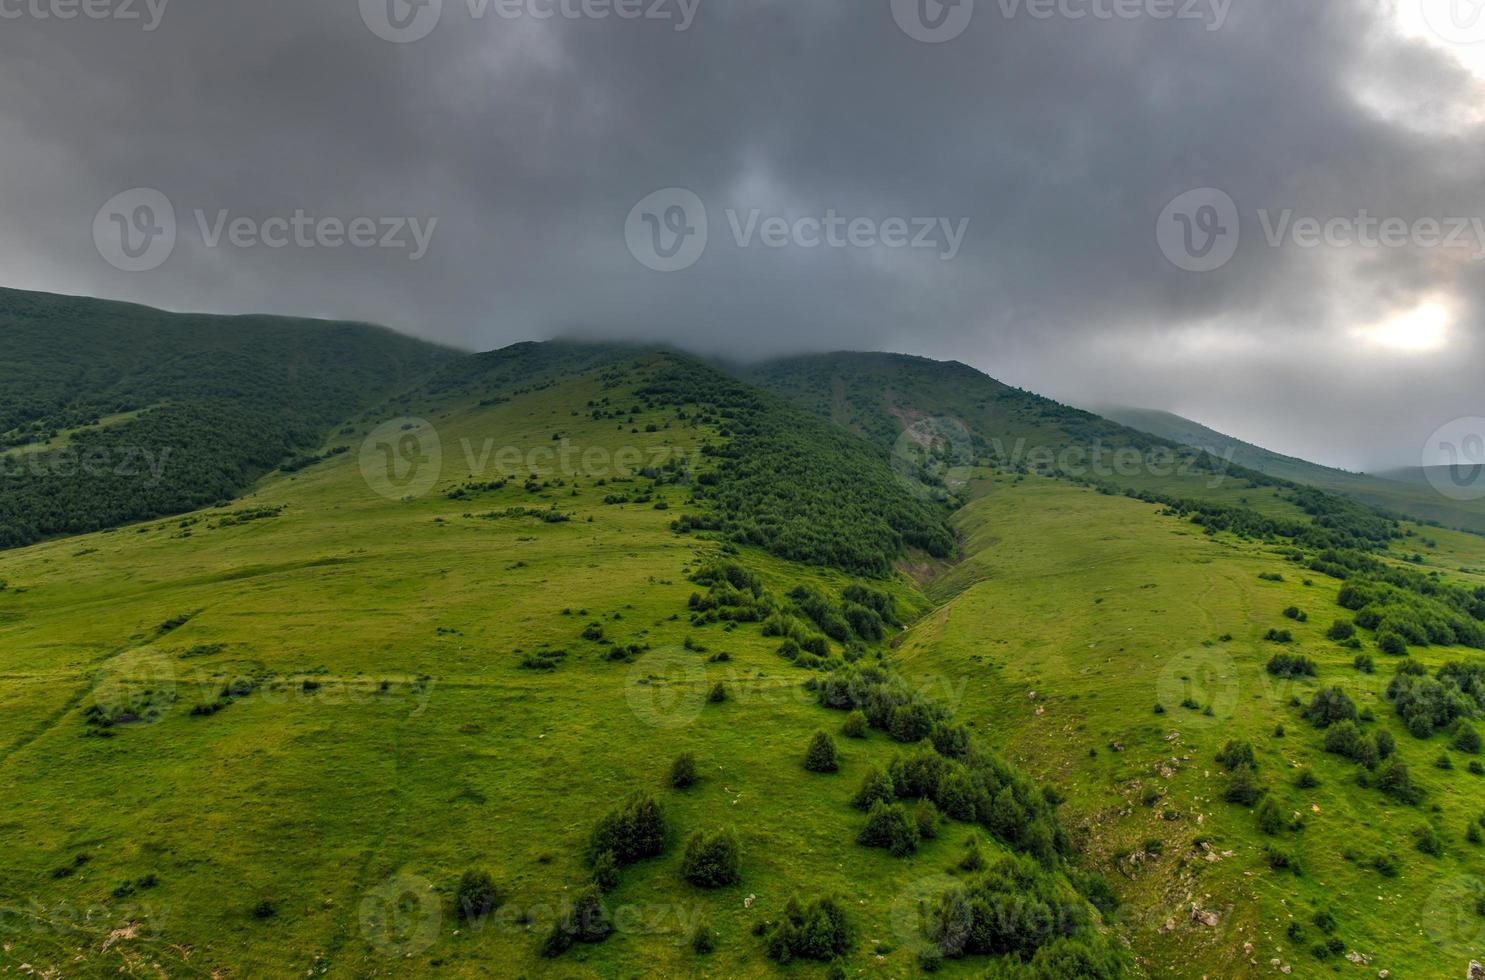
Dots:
{"x": 797, "y": 485}
{"x": 222, "y": 401}
{"x": 1017, "y": 909}
{"x": 1290, "y": 666}
{"x": 963, "y": 781}
{"x": 807, "y": 620}
{"x": 1433, "y": 704}
{"x": 817, "y": 931}
{"x": 1443, "y": 615}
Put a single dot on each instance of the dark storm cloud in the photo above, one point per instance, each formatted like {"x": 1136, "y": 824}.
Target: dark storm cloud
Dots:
{"x": 529, "y": 140}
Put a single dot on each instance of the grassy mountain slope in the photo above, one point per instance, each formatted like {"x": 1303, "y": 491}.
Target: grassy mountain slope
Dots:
{"x": 285, "y": 729}
{"x": 941, "y": 420}
{"x": 1078, "y": 613}
{"x": 1405, "y": 492}
{"x": 112, "y": 413}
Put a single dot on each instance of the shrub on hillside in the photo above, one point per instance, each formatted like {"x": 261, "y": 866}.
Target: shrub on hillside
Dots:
{"x": 1270, "y": 818}
{"x": 712, "y": 860}
{"x": 910, "y": 723}
{"x": 1393, "y": 779}
{"x": 889, "y": 826}
{"x": 703, "y": 939}
{"x": 1286, "y": 666}
{"x": 876, "y": 787}
{"x": 855, "y": 725}
{"x": 585, "y": 921}
{"x": 1243, "y": 788}
{"x": 606, "y": 872}
{"x": 1392, "y": 644}
{"x": 1341, "y": 631}
{"x": 926, "y": 817}
{"x": 476, "y": 896}
{"x": 683, "y": 771}
{"x": 821, "y": 755}
{"x": 1237, "y": 753}
{"x": 1329, "y": 706}
{"x": 1345, "y": 738}
{"x": 633, "y": 832}
{"x": 818, "y": 931}
{"x": 1466, "y": 738}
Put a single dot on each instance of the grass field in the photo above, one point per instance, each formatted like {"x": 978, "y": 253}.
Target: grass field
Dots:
{"x": 1102, "y": 609}
{"x": 388, "y": 739}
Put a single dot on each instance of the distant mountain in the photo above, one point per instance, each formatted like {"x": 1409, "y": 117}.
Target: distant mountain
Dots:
{"x": 1406, "y": 492}
{"x": 111, "y": 412}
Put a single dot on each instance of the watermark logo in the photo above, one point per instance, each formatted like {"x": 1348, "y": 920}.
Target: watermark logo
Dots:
{"x": 918, "y": 914}
{"x": 1454, "y": 459}
{"x": 933, "y": 452}
{"x": 1200, "y": 686}
{"x": 1456, "y": 21}
{"x": 1451, "y": 917}
{"x": 1199, "y": 231}
{"x": 148, "y": 13}
{"x": 402, "y": 459}
{"x": 401, "y": 21}
{"x": 133, "y": 689}
{"x": 401, "y": 917}
{"x": 666, "y": 688}
{"x": 135, "y": 230}
{"x": 933, "y": 21}
{"x": 668, "y": 230}
{"x": 405, "y": 21}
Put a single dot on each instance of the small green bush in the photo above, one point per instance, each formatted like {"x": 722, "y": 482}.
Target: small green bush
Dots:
{"x": 821, "y": 756}
{"x": 476, "y": 896}
{"x": 876, "y": 787}
{"x": 712, "y": 860}
{"x": 889, "y": 826}
{"x": 855, "y": 725}
{"x": 683, "y": 771}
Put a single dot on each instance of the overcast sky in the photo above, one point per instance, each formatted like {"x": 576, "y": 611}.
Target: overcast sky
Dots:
{"x": 991, "y": 182}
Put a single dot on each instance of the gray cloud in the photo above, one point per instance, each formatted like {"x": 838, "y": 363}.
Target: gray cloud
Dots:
{"x": 1059, "y": 140}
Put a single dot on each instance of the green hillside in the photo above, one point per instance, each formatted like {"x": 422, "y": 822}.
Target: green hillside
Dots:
{"x": 1405, "y": 492}
{"x": 596, "y": 661}
{"x": 112, "y": 413}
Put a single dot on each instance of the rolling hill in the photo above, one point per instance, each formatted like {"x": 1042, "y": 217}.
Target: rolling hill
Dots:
{"x": 112, "y": 413}
{"x": 596, "y": 660}
{"x": 1406, "y": 492}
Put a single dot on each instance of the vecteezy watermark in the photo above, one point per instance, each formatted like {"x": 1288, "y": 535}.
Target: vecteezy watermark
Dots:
{"x": 1455, "y": 21}
{"x": 137, "y": 231}
{"x": 564, "y": 458}
{"x": 147, "y": 13}
{"x": 1204, "y": 682}
{"x": 937, "y": 21}
{"x": 933, "y": 21}
{"x": 401, "y": 916}
{"x": 89, "y": 461}
{"x": 1454, "y": 459}
{"x": 134, "y": 688}
{"x": 1451, "y": 917}
{"x": 934, "y": 452}
{"x": 405, "y": 21}
{"x": 1199, "y": 230}
{"x": 667, "y": 688}
{"x": 402, "y": 459}
{"x": 669, "y": 231}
